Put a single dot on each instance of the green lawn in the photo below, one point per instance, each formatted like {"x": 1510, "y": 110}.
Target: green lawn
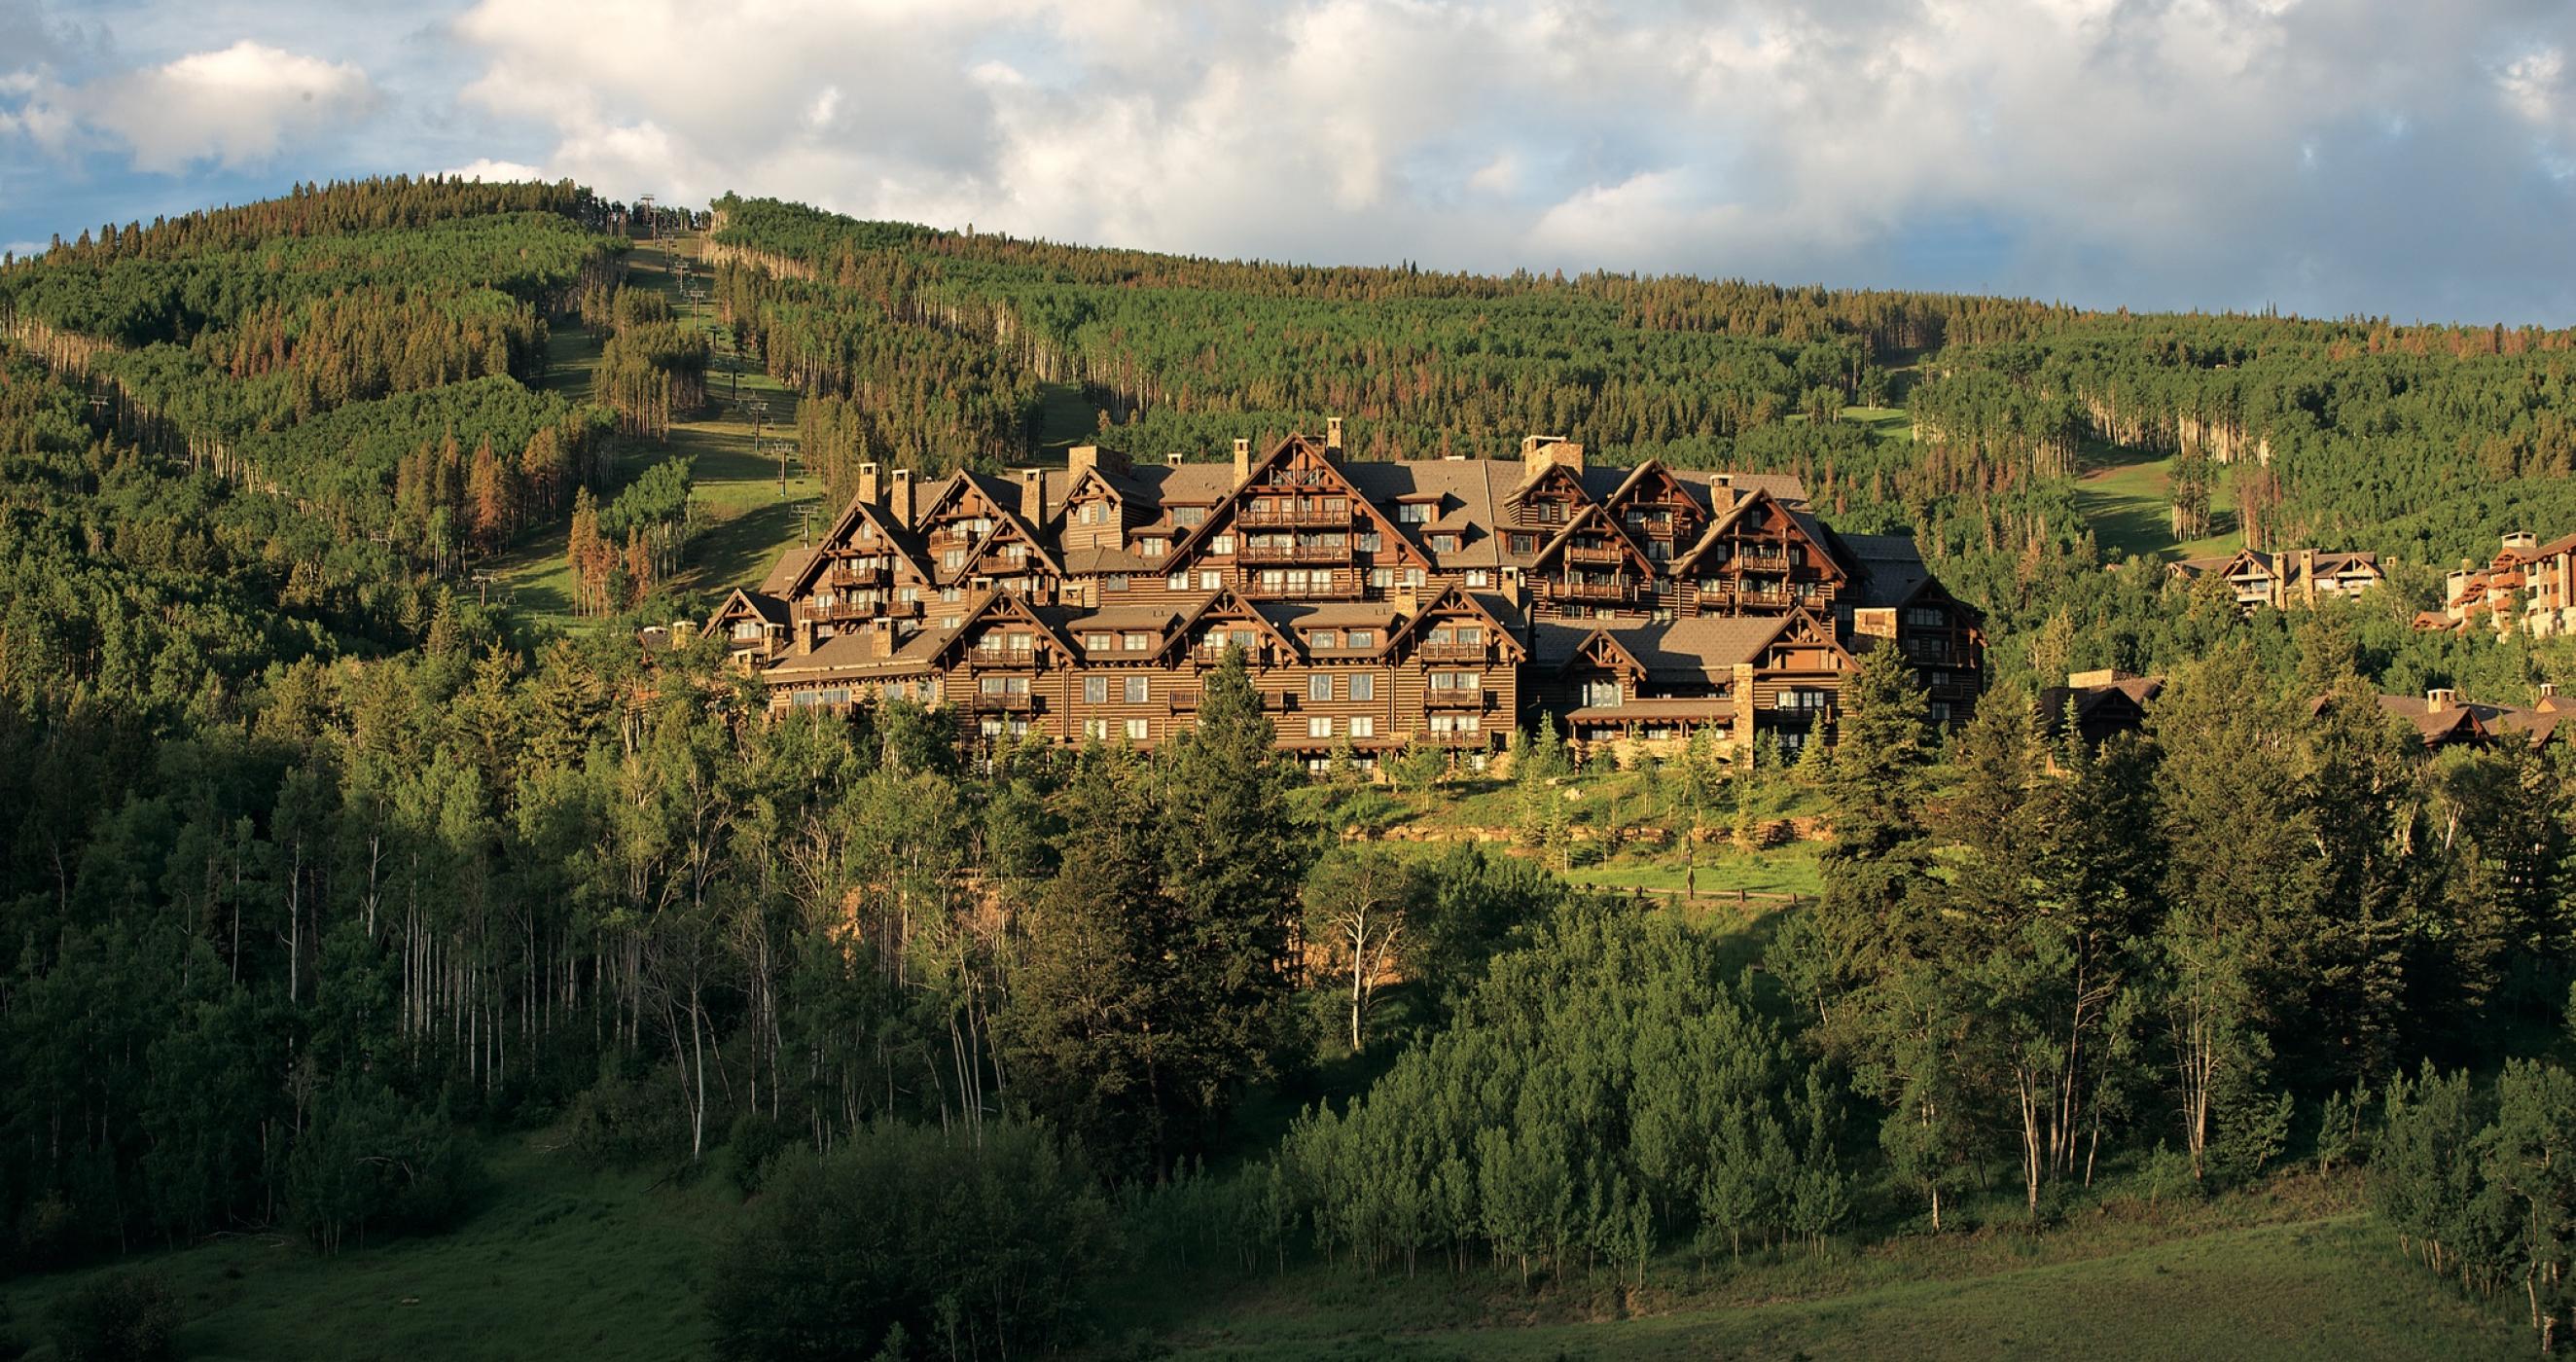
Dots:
{"x": 2327, "y": 1287}
{"x": 744, "y": 516}
{"x": 558, "y": 1262}
{"x": 1883, "y": 423}
{"x": 2127, "y": 501}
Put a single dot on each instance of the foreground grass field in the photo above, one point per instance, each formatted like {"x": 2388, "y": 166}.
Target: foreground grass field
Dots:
{"x": 562, "y": 1262}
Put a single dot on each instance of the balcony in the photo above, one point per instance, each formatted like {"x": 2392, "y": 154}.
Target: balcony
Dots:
{"x": 1570, "y": 589}
{"x": 1453, "y": 652}
{"x": 1005, "y": 702}
{"x": 1251, "y": 552}
{"x": 1454, "y": 699}
{"x": 1258, "y": 515}
{"x": 839, "y": 612}
{"x": 1607, "y": 554}
{"x": 1333, "y": 586}
{"x": 1182, "y": 701}
{"x": 1471, "y": 738}
{"x": 861, "y": 575}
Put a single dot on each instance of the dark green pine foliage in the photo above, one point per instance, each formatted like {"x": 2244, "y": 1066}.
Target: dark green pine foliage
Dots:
{"x": 1234, "y": 857}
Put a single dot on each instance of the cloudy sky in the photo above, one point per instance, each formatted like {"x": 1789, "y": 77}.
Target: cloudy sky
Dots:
{"x": 2412, "y": 158}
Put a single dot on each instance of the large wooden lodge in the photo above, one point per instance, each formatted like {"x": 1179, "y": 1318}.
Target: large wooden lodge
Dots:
{"x": 1380, "y": 603}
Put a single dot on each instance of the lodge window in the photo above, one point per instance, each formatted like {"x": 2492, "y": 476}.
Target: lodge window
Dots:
{"x": 1116, "y": 581}
{"x": 1210, "y": 579}
{"x": 1324, "y": 638}
{"x": 1091, "y": 513}
{"x": 1321, "y": 726}
{"x": 1363, "y": 726}
{"x": 1178, "y": 581}
{"x": 1137, "y": 690}
{"x": 1021, "y": 643}
{"x": 1095, "y": 690}
{"x": 1097, "y": 643}
{"x": 1381, "y": 578}
{"x": 1096, "y": 728}
{"x": 1152, "y": 548}
{"x": 1364, "y": 686}
{"x": 1189, "y": 516}
{"x": 1479, "y": 577}
{"x": 1139, "y": 729}
{"x": 1223, "y": 543}
{"x": 1602, "y": 694}
{"x": 1444, "y": 543}
{"x": 1370, "y": 541}
{"x": 1140, "y": 643}
{"x": 953, "y": 559}
{"x": 1457, "y": 681}
{"x": 1319, "y": 688}
{"x": 1363, "y": 638}
{"x": 1524, "y": 543}
{"x": 1413, "y": 513}
{"x": 1803, "y": 700}
{"x": 1456, "y": 723}
{"x": 1926, "y": 616}
{"x": 990, "y": 643}
{"x": 1413, "y": 577}
{"x": 746, "y": 629}
{"x": 1005, "y": 685}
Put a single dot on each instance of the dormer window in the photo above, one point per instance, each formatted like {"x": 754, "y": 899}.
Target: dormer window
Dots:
{"x": 1363, "y": 638}
{"x": 1444, "y": 543}
{"x": 1140, "y": 643}
{"x": 1152, "y": 548}
{"x": 1324, "y": 638}
{"x": 1189, "y": 516}
{"x": 1098, "y": 643}
{"x": 1413, "y": 513}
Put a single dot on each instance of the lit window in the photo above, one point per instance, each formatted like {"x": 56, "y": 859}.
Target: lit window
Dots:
{"x": 1210, "y": 579}
{"x": 1178, "y": 581}
{"x": 1321, "y": 726}
{"x": 1098, "y": 643}
{"x": 1139, "y": 643}
{"x": 1139, "y": 729}
{"x": 1363, "y": 726}
{"x": 1479, "y": 577}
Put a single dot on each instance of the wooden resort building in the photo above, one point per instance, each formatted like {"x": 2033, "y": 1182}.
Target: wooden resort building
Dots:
{"x": 1380, "y": 604}
{"x": 2290, "y": 577}
{"x": 2528, "y": 585}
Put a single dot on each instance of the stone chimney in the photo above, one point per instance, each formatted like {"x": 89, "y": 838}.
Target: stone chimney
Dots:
{"x": 1079, "y": 458}
{"x": 2308, "y": 574}
{"x": 2101, "y": 676}
{"x": 2440, "y": 699}
{"x": 1333, "y": 433}
{"x": 900, "y": 501}
{"x": 1033, "y": 495}
{"x": 868, "y": 488}
{"x": 2521, "y": 539}
{"x": 1742, "y": 691}
{"x": 1539, "y": 451}
{"x": 1242, "y": 460}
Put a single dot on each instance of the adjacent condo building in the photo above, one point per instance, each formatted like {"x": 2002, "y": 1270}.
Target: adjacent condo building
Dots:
{"x": 1379, "y": 604}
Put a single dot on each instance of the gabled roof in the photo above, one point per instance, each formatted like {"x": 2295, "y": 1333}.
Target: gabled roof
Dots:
{"x": 784, "y": 573}
{"x": 744, "y": 603}
{"x": 2125, "y": 694}
{"x": 1453, "y": 598}
{"x": 1593, "y": 518}
{"x": 1230, "y": 604}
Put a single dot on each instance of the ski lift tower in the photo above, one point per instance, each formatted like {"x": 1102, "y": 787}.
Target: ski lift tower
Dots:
{"x": 644, "y": 210}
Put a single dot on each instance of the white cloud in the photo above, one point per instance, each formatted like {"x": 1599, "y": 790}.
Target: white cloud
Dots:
{"x": 237, "y": 106}
{"x": 485, "y": 168}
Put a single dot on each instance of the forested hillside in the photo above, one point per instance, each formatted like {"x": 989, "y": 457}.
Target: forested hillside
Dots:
{"x": 346, "y": 908}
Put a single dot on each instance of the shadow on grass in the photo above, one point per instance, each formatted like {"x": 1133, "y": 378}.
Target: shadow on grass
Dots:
{"x": 739, "y": 550}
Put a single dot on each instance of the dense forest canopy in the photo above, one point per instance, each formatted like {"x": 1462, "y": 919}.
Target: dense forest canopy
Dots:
{"x": 319, "y": 873}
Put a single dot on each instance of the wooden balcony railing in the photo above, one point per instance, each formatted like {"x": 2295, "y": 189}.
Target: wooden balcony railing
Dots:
{"x": 1572, "y": 589}
{"x": 1251, "y": 552}
{"x": 1439, "y": 698}
{"x": 1008, "y": 702}
{"x": 1284, "y": 514}
{"x": 1453, "y": 652}
{"x": 1606, "y": 553}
